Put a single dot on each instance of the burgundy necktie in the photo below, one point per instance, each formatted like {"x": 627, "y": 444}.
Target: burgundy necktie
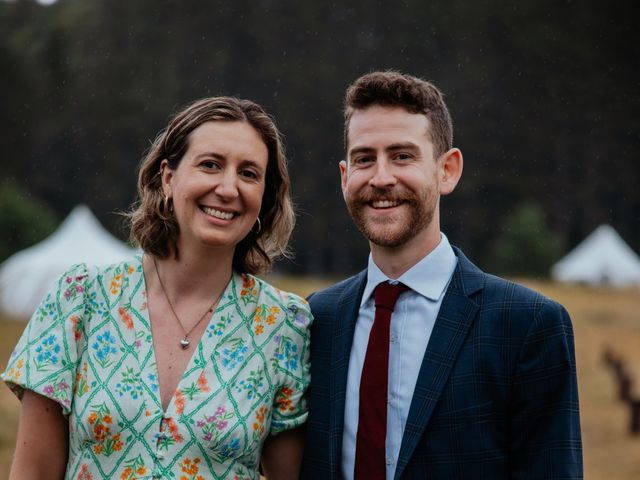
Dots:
{"x": 372, "y": 420}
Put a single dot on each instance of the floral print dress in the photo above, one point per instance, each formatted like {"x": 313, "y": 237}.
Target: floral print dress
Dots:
{"x": 89, "y": 348}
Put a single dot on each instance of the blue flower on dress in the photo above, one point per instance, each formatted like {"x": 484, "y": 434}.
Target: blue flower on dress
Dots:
{"x": 234, "y": 354}
{"x": 153, "y": 382}
{"x": 104, "y": 348}
{"x": 47, "y": 353}
{"x": 229, "y": 449}
{"x": 287, "y": 353}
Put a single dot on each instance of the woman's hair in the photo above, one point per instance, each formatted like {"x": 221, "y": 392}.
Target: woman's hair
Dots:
{"x": 154, "y": 227}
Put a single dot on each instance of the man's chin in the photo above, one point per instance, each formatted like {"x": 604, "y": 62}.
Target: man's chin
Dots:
{"x": 385, "y": 237}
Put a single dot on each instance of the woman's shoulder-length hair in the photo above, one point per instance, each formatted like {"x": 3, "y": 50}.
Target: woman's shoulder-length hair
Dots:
{"x": 154, "y": 227}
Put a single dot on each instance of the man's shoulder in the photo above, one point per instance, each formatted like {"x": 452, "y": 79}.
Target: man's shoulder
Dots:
{"x": 500, "y": 292}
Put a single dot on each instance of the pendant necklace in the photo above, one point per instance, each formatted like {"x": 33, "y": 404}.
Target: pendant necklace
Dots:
{"x": 184, "y": 341}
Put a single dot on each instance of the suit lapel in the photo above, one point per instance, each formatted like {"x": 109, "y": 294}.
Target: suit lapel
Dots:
{"x": 455, "y": 317}
{"x": 344, "y": 323}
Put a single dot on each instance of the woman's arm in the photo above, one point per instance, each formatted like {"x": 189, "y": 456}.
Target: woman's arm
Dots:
{"x": 282, "y": 454}
{"x": 43, "y": 440}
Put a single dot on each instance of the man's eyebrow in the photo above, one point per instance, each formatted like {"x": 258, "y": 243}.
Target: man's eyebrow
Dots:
{"x": 357, "y": 150}
{"x": 391, "y": 148}
{"x": 402, "y": 146}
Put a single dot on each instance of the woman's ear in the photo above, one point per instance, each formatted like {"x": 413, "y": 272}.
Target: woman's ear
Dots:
{"x": 166, "y": 175}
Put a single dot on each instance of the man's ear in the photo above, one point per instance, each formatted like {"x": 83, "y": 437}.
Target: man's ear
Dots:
{"x": 166, "y": 175}
{"x": 343, "y": 176}
{"x": 450, "y": 170}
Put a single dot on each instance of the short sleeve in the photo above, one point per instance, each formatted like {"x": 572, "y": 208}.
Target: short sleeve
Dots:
{"x": 292, "y": 360}
{"x": 45, "y": 358}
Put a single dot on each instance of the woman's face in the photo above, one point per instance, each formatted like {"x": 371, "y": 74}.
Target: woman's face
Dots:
{"x": 218, "y": 185}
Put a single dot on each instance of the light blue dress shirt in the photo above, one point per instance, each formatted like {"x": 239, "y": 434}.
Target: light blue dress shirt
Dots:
{"x": 411, "y": 325}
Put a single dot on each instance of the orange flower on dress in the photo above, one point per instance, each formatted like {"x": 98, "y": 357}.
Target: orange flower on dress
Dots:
{"x": 173, "y": 429}
{"x": 258, "y": 425}
{"x": 84, "y": 474}
{"x": 191, "y": 468}
{"x": 74, "y": 326}
{"x": 284, "y": 400}
{"x": 202, "y": 383}
{"x": 179, "y": 401}
{"x": 247, "y": 285}
{"x": 259, "y": 329}
{"x": 126, "y": 318}
{"x": 116, "y": 284}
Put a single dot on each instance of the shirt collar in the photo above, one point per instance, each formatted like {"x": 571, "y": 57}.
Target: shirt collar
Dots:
{"x": 429, "y": 277}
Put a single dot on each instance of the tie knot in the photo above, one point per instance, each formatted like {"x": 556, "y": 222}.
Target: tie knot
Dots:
{"x": 386, "y": 294}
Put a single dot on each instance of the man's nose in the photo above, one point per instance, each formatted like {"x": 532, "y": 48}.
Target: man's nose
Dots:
{"x": 383, "y": 174}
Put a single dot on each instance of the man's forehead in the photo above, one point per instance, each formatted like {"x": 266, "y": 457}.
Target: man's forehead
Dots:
{"x": 391, "y": 124}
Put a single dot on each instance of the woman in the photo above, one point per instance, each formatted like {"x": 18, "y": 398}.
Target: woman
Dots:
{"x": 179, "y": 363}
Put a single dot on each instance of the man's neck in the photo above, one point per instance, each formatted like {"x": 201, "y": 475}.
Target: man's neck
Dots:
{"x": 394, "y": 261}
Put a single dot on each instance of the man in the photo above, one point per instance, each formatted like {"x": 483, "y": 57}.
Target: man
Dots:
{"x": 471, "y": 376}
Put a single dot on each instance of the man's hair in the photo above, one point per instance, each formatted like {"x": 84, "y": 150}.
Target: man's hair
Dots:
{"x": 154, "y": 227}
{"x": 395, "y": 89}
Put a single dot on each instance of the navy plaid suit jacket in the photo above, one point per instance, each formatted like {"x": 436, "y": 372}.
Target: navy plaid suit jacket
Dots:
{"x": 496, "y": 396}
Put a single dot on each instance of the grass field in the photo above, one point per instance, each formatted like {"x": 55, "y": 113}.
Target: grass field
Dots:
{"x": 601, "y": 318}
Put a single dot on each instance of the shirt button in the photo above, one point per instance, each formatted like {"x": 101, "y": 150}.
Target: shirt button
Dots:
{"x": 389, "y": 460}
{"x": 393, "y": 338}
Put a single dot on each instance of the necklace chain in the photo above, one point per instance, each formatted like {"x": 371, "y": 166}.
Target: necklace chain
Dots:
{"x": 184, "y": 342}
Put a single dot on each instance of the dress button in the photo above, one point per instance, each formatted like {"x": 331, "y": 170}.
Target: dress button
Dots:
{"x": 160, "y": 455}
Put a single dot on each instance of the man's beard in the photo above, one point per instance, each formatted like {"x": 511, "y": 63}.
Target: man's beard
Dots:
{"x": 393, "y": 231}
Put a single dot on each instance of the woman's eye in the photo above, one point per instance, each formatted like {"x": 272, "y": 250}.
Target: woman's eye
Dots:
{"x": 210, "y": 164}
{"x": 249, "y": 174}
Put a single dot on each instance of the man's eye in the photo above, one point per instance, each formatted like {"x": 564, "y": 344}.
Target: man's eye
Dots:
{"x": 403, "y": 156}
{"x": 362, "y": 160}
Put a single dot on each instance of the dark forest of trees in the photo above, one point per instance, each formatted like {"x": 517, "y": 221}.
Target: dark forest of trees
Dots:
{"x": 544, "y": 97}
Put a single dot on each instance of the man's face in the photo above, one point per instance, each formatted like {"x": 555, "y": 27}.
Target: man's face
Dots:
{"x": 390, "y": 180}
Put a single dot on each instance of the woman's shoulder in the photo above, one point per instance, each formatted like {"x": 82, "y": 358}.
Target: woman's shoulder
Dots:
{"x": 85, "y": 272}
{"x": 266, "y": 289}
{"x": 294, "y": 305}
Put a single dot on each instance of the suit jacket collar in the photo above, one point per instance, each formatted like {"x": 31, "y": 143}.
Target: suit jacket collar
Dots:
{"x": 456, "y": 315}
{"x": 343, "y": 329}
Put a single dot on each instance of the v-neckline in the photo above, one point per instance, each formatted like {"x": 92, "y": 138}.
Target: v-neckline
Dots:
{"x": 153, "y": 365}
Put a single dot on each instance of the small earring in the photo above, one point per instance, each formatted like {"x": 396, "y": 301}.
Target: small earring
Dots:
{"x": 167, "y": 204}
{"x": 259, "y": 226}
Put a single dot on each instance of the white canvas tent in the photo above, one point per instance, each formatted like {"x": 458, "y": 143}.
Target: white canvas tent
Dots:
{"x": 26, "y": 275}
{"x": 603, "y": 258}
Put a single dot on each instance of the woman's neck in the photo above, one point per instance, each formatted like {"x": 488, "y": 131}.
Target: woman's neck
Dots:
{"x": 191, "y": 276}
